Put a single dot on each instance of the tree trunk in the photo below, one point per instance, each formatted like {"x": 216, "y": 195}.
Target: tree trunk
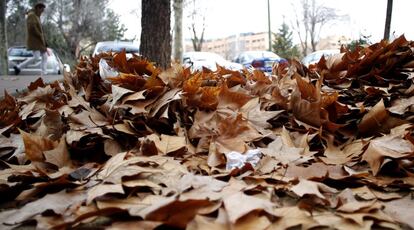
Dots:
{"x": 178, "y": 30}
{"x": 3, "y": 39}
{"x": 388, "y": 20}
{"x": 155, "y": 33}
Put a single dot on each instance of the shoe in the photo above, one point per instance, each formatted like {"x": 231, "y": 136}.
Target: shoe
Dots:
{"x": 16, "y": 70}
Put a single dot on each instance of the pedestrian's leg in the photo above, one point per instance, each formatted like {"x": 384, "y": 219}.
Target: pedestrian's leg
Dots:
{"x": 36, "y": 55}
{"x": 44, "y": 63}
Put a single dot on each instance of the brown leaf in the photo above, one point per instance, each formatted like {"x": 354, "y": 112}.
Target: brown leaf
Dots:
{"x": 370, "y": 194}
{"x": 236, "y": 209}
{"x": 306, "y": 102}
{"x": 389, "y": 146}
{"x": 118, "y": 167}
{"x": 9, "y": 111}
{"x": 111, "y": 147}
{"x": 339, "y": 155}
{"x": 166, "y": 144}
{"x": 193, "y": 187}
{"x": 35, "y": 146}
{"x": 143, "y": 225}
{"x": 291, "y": 217}
{"x": 118, "y": 93}
{"x": 311, "y": 188}
{"x": 258, "y": 117}
{"x": 58, "y": 202}
{"x": 59, "y": 156}
{"x": 285, "y": 153}
{"x": 234, "y": 133}
{"x": 51, "y": 125}
{"x": 165, "y": 210}
{"x": 205, "y": 223}
{"x": 401, "y": 210}
{"x": 103, "y": 189}
{"x": 252, "y": 221}
{"x": 401, "y": 105}
{"x": 374, "y": 118}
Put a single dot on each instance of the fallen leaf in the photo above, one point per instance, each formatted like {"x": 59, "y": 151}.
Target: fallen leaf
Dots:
{"x": 311, "y": 188}
{"x": 35, "y": 145}
{"x": 59, "y": 156}
{"x": 236, "y": 209}
{"x": 58, "y": 202}
{"x": 103, "y": 189}
{"x": 401, "y": 210}
{"x": 374, "y": 118}
{"x": 393, "y": 147}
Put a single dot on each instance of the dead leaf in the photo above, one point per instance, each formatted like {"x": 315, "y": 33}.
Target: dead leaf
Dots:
{"x": 374, "y": 118}
{"x": 311, "y": 188}
{"x": 401, "y": 210}
{"x": 35, "y": 145}
{"x": 380, "y": 148}
{"x": 236, "y": 209}
{"x": 58, "y": 202}
{"x": 59, "y": 156}
{"x": 103, "y": 189}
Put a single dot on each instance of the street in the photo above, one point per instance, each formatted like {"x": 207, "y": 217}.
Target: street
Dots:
{"x": 13, "y": 84}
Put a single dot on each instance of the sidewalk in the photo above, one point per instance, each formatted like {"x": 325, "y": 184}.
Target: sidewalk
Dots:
{"x": 13, "y": 83}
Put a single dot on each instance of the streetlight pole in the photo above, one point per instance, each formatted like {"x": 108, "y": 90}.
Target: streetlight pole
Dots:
{"x": 268, "y": 24}
{"x": 3, "y": 39}
{"x": 388, "y": 20}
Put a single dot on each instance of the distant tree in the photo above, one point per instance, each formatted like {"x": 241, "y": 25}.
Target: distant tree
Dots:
{"x": 155, "y": 32}
{"x": 283, "y": 44}
{"x": 16, "y": 24}
{"x": 3, "y": 39}
{"x": 71, "y": 27}
{"x": 84, "y": 23}
{"x": 197, "y": 25}
{"x": 309, "y": 25}
{"x": 361, "y": 41}
{"x": 388, "y": 20}
{"x": 178, "y": 6}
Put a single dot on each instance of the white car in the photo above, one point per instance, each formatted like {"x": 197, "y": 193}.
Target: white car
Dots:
{"x": 18, "y": 54}
{"x": 198, "y": 60}
{"x": 317, "y": 55}
{"x": 116, "y": 46}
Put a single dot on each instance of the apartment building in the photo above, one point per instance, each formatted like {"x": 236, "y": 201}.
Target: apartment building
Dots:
{"x": 230, "y": 46}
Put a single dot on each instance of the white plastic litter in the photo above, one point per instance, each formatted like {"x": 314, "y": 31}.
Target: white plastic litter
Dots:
{"x": 105, "y": 70}
{"x": 238, "y": 160}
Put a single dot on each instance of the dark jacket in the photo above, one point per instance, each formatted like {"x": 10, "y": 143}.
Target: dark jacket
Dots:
{"x": 35, "y": 38}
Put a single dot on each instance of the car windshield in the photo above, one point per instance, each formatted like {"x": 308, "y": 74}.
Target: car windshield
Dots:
{"x": 118, "y": 48}
{"x": 207, "y": 57}
{"x": 316, "y": 56}
{"x": 264, "y": 54}
{"x": 20, "y": 52}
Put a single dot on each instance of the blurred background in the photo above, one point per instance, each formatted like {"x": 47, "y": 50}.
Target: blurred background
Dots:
{"x": 289, "y": 28}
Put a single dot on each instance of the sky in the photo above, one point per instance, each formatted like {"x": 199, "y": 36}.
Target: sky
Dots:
{"x": 229, "y": 17}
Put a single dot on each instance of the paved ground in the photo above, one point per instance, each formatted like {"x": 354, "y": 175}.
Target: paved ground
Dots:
{"x": 17, "y": 83}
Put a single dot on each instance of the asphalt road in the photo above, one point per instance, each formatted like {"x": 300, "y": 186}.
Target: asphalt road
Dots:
{"x": 13, "y": 84}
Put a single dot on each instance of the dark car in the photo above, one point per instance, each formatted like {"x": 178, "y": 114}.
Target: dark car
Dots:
{"x": 18, "y": 54}
{"x": 261, "y": 60}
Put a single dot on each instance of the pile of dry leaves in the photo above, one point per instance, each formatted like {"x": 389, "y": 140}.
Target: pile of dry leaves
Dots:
{"x": 148, "y": 148}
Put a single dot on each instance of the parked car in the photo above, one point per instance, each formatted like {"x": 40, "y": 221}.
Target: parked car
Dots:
{"x": 317, "y": 55}
{"x": 116, "y": 46}
{"x": 197, "y": 60}
{"x": 18, "y": 54}
{"x": 261, "y": 60}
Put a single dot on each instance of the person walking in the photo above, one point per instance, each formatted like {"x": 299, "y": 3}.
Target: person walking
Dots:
{"x": 35, "y": 39}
